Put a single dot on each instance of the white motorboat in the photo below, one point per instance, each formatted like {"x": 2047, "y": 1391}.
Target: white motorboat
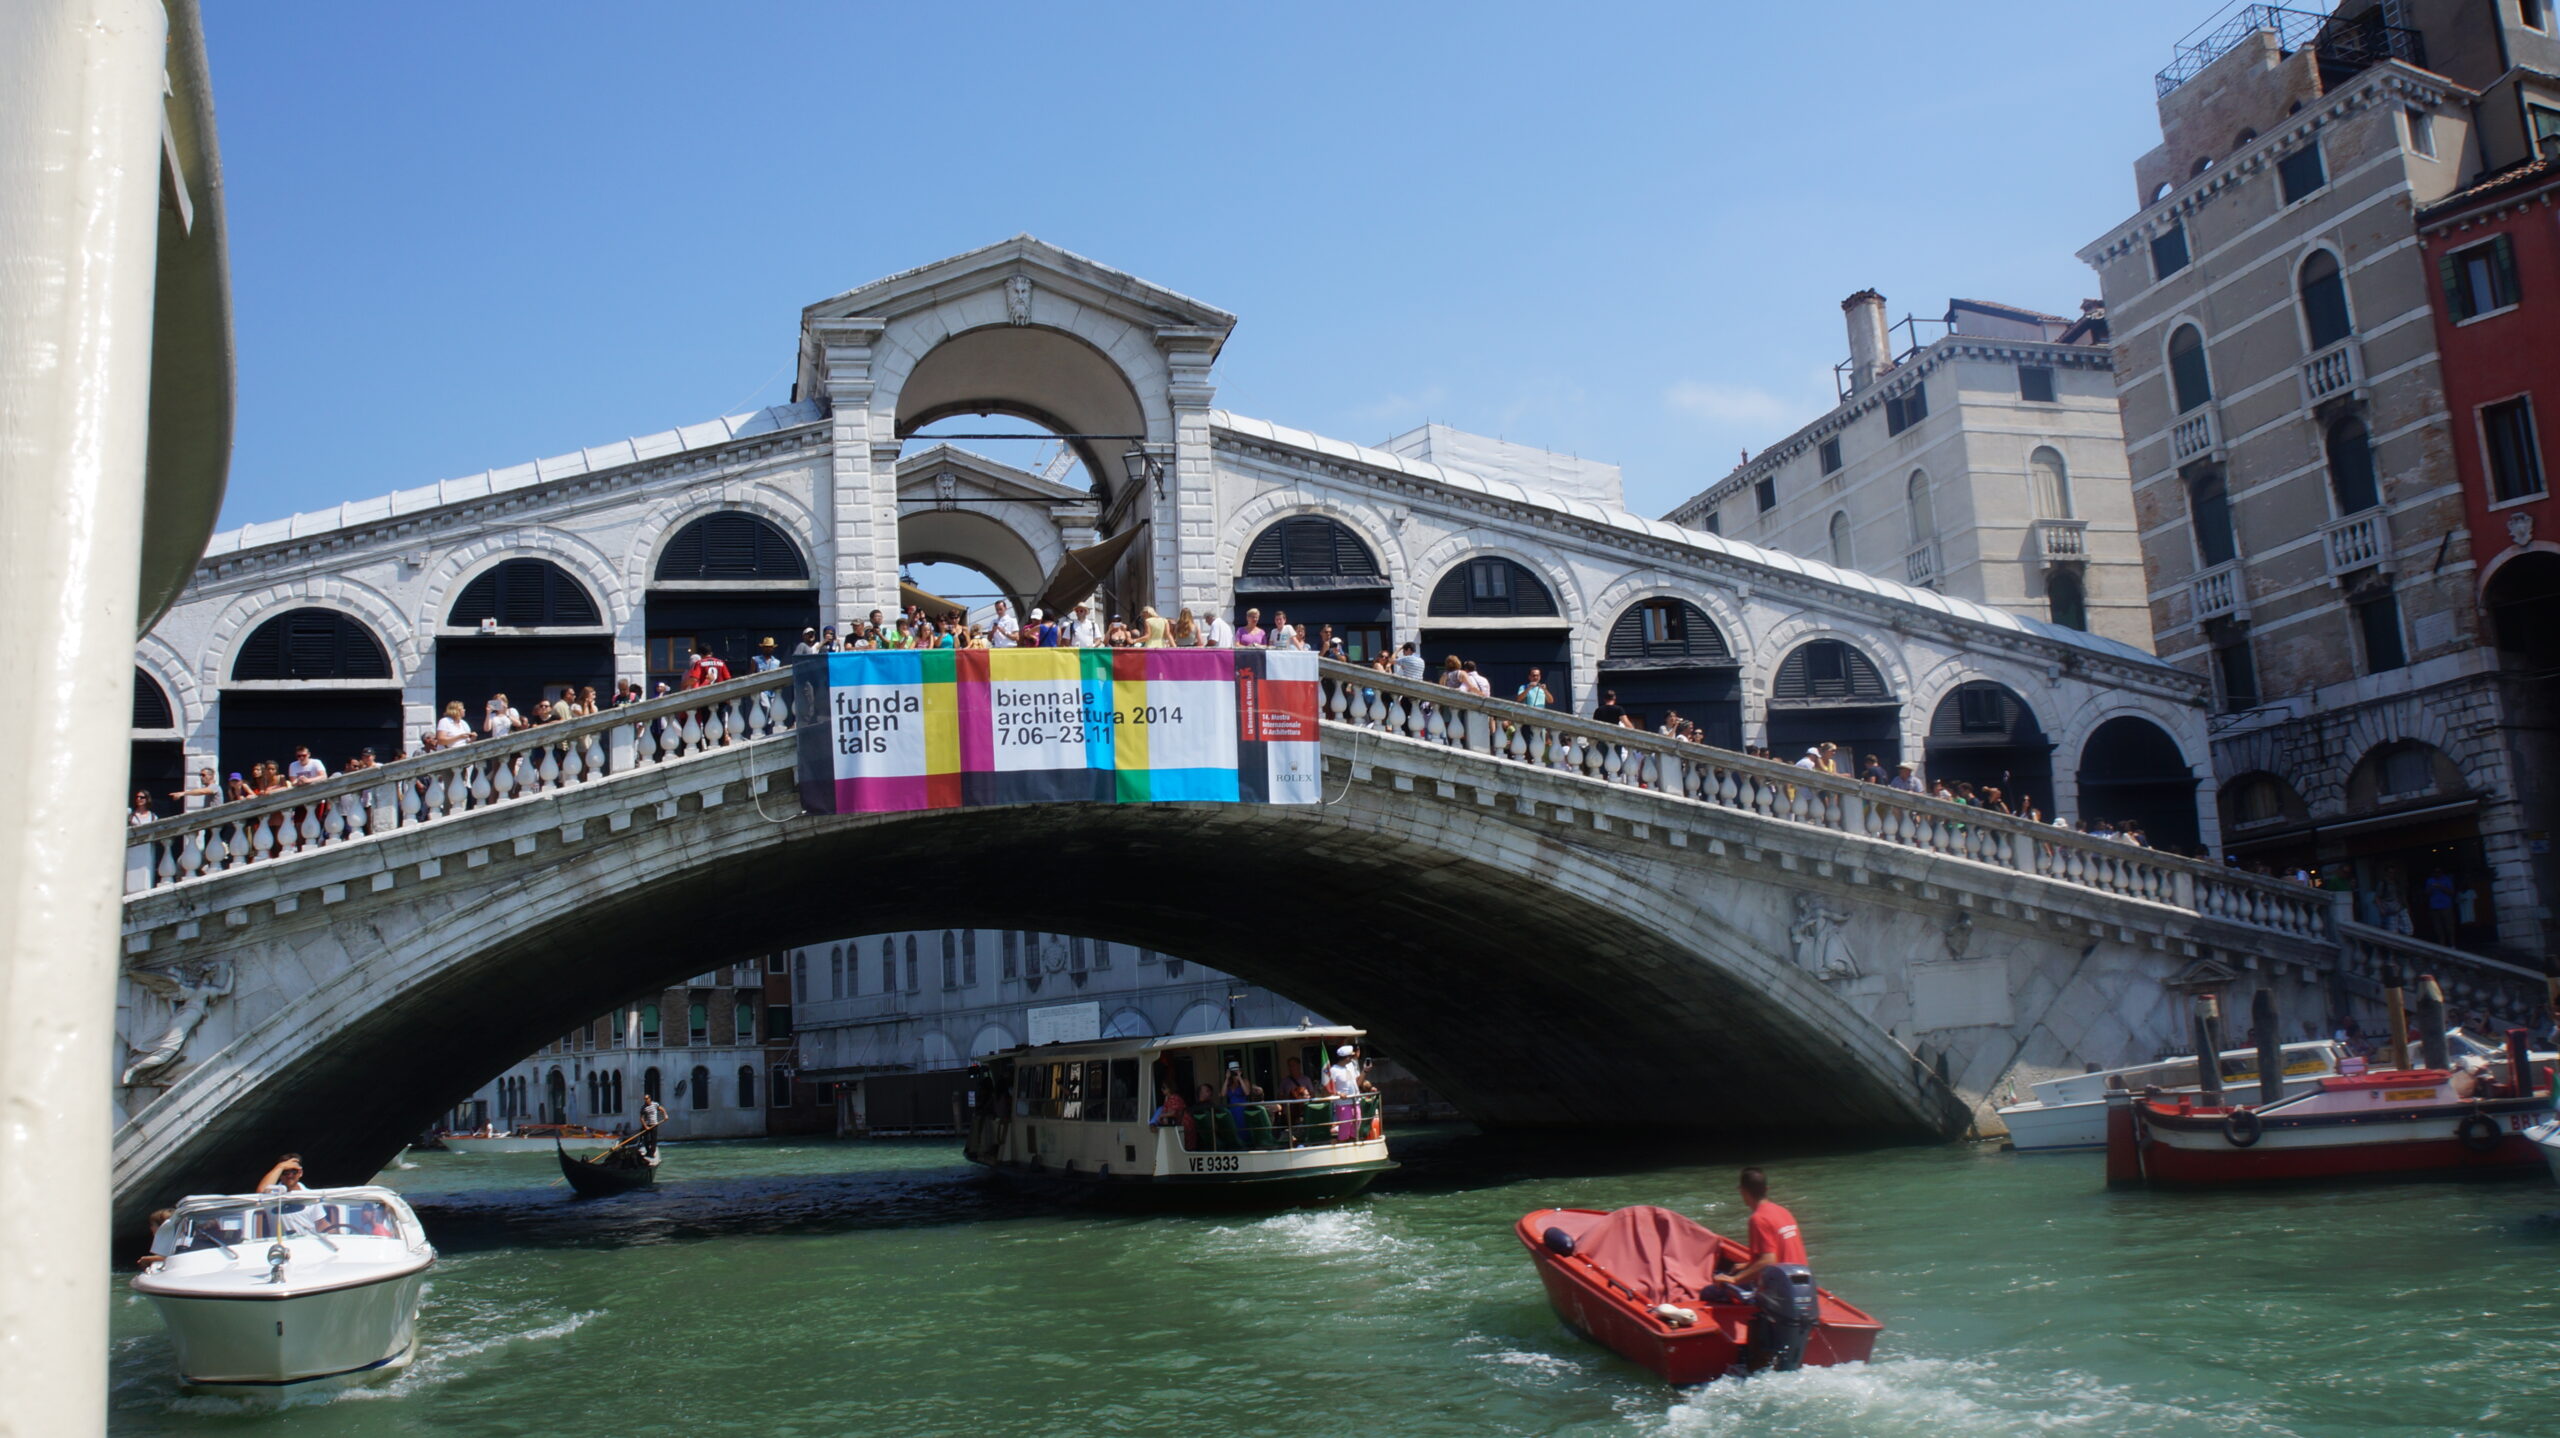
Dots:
{"x": 2546, "y": 1138}
{"x": 2071, "y": 1112}
{"x": 274, "y": 1291}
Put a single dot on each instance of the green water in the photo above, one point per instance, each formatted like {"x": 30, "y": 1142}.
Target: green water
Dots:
{"x": 818, "y": 1288}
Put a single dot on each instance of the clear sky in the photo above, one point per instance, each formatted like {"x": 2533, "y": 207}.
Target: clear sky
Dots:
{"x": 464, "y": 237}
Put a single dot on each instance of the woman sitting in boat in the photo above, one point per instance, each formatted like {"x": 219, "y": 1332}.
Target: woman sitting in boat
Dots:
{"x": 1173, "y": 1112}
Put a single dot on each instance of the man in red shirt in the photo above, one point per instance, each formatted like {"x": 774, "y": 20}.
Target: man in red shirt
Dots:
{"x": 1788, "y": 1307}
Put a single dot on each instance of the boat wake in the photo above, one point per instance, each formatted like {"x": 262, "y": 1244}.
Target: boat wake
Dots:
{"x": 1933, "y": 1397}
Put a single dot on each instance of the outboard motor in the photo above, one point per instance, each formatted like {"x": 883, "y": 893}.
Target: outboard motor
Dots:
{"x": 1788, "y": 1307}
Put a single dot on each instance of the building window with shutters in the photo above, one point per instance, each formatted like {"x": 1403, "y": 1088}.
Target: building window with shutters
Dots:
{"x": 2238, "y": 673}
{"x": 2513, "y": 450}
{"x": 1831, "y": 455}
{"x": 1012, "y": 954}
{"x": 1765, "y": 492}
{"x": 912, "y": 984}
{"x": 888, "y": 966}
{"x": 1715, "y": 521}
{"x": 2209, "y": 512}
{"x": 524, "y": 594}
{"x": 311, "y": 644}
{"x": 649, "y": 1023}
{"x": 730, "y": 545}
{"x": 2325, "y": 320}
{"x": 2035, "y": 383}
{"x": 2300, "y": 174}
{"x": 698, "y": 1022}
{"x": 2169, "y": 252}
{"x": 835, "y": 973}
{"x": 699, "y": 1086}
{"x": 1663, "y": 624}
{"x": 2067, "y": 600}
{"x": 1491, "y": 587}
{"x": 1904, "y": 410}
{"x": 744, "y": 1007}
{"x": 969, "y": 958}
{"x": 950, "y": 959}
{"x": 800, "y": 975}
{"x": 2378, "y": 620}
{"x": 2190, "y": 382}
{"x": 2480, "y": 281}
{"x": 1102, "y": 953}
{"x": 1075, "y": 955}
{"x": 2351, "y": 479}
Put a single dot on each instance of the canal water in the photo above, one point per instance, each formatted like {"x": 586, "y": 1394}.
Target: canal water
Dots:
{"x": 816, "y": 1288}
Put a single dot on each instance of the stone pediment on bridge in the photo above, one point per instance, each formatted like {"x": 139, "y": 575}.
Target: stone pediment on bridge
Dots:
{"x": 1043, "y": 264}
{"x": 976, "y": 476}
{"x": 2204, "y": 974}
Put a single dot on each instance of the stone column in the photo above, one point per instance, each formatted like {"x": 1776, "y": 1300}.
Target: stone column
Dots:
{"x": 1186, "y": 509}
{"x": 861, "y": 497}
{"x": 80, "y": 162}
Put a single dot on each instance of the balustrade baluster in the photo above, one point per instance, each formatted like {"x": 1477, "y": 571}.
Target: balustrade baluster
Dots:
{"x": 191, "y": 853}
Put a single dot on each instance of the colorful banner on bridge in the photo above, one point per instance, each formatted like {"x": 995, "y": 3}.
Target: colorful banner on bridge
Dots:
{"x": 958, "y": 728}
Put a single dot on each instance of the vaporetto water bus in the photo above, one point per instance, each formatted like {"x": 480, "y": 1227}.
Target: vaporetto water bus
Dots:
{"x": 1150, "y": 1121}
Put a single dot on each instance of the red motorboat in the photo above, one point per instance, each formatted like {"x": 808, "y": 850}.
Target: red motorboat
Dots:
{"x": 1625, "y": 1280}
{"x": 2394, "y": 1121}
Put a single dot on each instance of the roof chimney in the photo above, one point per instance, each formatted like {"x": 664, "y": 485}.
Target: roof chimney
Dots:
{"x": 1870, "y": 344}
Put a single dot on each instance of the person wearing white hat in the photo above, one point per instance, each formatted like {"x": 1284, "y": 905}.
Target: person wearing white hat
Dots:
{"x": 1343, "y": 1081}
{"x": 1812, "y": 759}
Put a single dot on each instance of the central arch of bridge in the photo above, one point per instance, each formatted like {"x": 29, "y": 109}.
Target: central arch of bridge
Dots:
{"x": 1516, "y": 974}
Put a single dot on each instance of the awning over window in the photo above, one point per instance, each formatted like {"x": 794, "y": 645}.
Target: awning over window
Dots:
{"x": 1082, "y": 571}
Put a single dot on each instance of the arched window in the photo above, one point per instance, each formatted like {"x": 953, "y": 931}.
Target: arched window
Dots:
{"x": 2351, "y": 477}
{"x": 311, "y": 644}
{"x": 1840, "y": 552}
{"x": 2324, "y": 301}
{"x": 2187, "y": 378}
{"x": 730, "y": 545}
{"x": 888, "y": 966}
{"x": 1668, "y": 629}
{"x": 1075, "y": 955}
{"x": 1829, "y": 669}
{"x": 1012, "y": 954}
{"x": 697, "y": 1028}
{"x": 616, "y": 1081}
{"x": 595, "y": 1097}
{"x": 2202, "y": 164}
{"x": 2051, "y": 483}
{"x": 950, "y": 960}
{"x": 653, "y": 1086}
{"x": 800, "y": 975}
{"x": 969, "y": 957}
{"x": 649, "y": 1024}
{"x": 1924, "y": 519}
{"x": 701, "y": 1086}
{"x": 1492, "y": 586}
{"x": 911, "y": 963}
{"x": 1309, "y": 547}
{"x": 2067, "y": 599}
{"x": 151, "y": 707}
{"x": 2246, "y": 137}
{"x": 746, "y": 1085}
{"x": 524, "y": 594}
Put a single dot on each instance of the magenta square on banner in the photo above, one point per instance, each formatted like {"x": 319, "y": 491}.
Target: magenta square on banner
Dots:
{"x": 1213, "y": 665}
{"x": 894, "y": 794}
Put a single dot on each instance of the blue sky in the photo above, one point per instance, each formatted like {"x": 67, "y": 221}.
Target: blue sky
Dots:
{"x": 460, "y": 243}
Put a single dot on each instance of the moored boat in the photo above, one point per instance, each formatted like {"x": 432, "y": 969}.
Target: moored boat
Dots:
{"x": 531, "y": 1138}
{"x": 1091, "y": 1121}
{"x": 2545, "y": 1137}
{"x": 620, "y": 1169}
{"x": 2394, "y": 1121}
{"x": 1640, "y": 1283}
{"x": 270, "y": 1292}
{"x": 2071, "y": 1112}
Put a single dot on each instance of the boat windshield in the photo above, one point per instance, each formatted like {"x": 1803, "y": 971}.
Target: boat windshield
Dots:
{"x": 231, "y": 1225}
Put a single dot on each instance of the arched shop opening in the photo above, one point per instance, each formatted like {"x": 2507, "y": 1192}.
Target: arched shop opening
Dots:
{"x": 525, "y": 628}
{"x": 311, "y": 677}
{"x": 1828, "y": 692}
{"x": 728, "y": 581}
{"x": 1665, "y": 656}
{"x": 159, "y": 759}
{"x": 1983, "y": 734}
{"x": 1501, "y": 615}
{"x": 2132, "y": 773}
{"x": 2412, "y": 835}
{"x": 1319, "y": 572}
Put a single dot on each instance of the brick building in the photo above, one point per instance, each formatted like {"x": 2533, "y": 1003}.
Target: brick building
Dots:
{"x": 2295, "y": 476}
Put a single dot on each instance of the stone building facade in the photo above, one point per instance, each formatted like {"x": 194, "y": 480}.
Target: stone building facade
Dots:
{"x": 2294, "y": 473}
{"x": 1987, "y": 463}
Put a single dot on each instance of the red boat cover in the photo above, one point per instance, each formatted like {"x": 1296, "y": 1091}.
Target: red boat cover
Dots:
{"x": 1662, "y": 1256}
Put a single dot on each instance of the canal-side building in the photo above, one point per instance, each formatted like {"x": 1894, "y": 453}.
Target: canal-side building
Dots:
{"x": 2295, "y": 476}
{"x": 889, "y": 1020}
{"x": 1987, "y": 462}
{"x": 716, "y": 1050}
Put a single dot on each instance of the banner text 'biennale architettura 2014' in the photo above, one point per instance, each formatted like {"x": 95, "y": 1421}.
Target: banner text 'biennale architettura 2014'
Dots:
{"x": 882, "y": 731}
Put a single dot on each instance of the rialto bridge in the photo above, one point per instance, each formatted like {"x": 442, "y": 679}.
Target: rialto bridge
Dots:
{"x": 1553, "y": 921}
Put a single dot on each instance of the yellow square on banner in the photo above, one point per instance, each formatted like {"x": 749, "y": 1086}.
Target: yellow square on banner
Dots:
{"x": 1129, "y": 697}
{"x": 1027, "y": 666}
{"x": 942, "y": 728}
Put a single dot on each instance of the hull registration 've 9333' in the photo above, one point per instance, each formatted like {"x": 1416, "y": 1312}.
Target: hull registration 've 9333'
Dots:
{"x": 265, "y": 1293}
{"x": 1245, "y": 1118}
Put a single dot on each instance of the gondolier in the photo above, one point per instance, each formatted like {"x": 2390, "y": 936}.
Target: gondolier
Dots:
{"x": 653, "y": 1114}
{"x": 1785, "y": 1297}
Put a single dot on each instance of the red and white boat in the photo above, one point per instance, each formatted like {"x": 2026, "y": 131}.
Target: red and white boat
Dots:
{"x": 1624, "y": 1279}
{"x": 2390, "y": 1122}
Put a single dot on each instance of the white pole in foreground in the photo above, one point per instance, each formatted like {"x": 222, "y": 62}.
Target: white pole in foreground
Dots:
{"x": 80, "y": 162}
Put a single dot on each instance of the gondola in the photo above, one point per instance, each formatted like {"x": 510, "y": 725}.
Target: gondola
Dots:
{"x": 619, "y": 1169}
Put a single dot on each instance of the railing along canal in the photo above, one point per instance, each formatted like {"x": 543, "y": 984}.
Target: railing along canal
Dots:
{"x": 1641, "y": 759}
{"x": 547, "y": 759}
{"x": 480, "y": 774}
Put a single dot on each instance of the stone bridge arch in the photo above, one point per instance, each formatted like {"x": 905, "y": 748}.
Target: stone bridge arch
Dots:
{"x": 1589, "y": 979}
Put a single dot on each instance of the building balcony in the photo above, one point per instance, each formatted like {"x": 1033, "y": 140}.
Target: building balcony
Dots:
{"x": 1921, "y": 564}
{"x": 2333, "y": 373}
{"x": 2218, "y": 593}
{"x": 2360, "y": 541}
{"x": 2062, "y": 541}
{"x": 2196, "y": 435}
